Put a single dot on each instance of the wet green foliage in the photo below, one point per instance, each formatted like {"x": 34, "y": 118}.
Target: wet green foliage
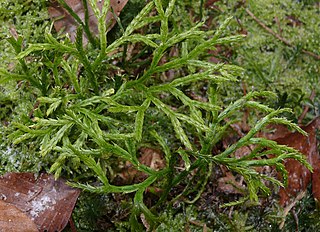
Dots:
{"x": 28, "y": 18}
{"x": 82, "y": 112}
{"x": 271, "y": 64}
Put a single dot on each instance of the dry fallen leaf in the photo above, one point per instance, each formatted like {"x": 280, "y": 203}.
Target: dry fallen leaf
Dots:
{"x": 274, "y": 131}
{"x": 316, "y": 181}
{"x": 64, "y": 21}
{"x": 12, "y": 219}
{"x": 299, "y": 176}
{"x": 229, "y": 185}
{"x": 47, "y": 202}
{"x": 149, "y": 157}
{"x": 152, "y": 158}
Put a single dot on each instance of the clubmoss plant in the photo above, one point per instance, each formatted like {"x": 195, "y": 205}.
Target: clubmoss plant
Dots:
{"x": 91, "y": 113}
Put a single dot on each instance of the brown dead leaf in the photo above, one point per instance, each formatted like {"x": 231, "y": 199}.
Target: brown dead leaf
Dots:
{"x": 149, "y": 157}
{"x": 152, "y": 158}
{"x": 299, "y": 176}
{"x": 274, "y": 131}
{"x": 64, "y": 21}
{"x": 211, "y": 4}
{"x": 294, "y": 21}
{"x": 229, "y": 185}
{"x": 12, "y": 219}
{"x": 48, "y": 202}
{"x": 316, "y": 181}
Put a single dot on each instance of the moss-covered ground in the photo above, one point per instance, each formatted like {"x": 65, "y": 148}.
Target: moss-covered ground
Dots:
{"x": 284, "y": 59}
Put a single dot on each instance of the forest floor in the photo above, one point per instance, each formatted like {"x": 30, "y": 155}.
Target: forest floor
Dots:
{"x": 279, "y": 53}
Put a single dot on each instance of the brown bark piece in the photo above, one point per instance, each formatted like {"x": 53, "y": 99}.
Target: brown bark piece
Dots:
{"x": 46, "y": 201}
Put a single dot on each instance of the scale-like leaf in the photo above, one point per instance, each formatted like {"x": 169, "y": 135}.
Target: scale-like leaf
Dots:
{"x": 50, "y": 145}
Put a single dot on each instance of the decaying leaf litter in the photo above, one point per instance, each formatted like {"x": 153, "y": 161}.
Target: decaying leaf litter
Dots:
{"x": 65, "y": 23}
{"x": 13, "y": 219}
{"x": 46, "y": 202}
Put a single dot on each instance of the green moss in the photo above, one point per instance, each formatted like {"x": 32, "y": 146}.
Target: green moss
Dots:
{"x": 28, "y": 18}
{"x": 269, "y": 63}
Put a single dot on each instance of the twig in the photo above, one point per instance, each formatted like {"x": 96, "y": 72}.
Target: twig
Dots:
{"x": 296, "y": 219}
{"x": 285, "y": 41}
{"x": 279, "y": 26}
{"x": 72, "y": 225}
{"x": 306, "y": 108}
{"x": 145, "y": 222}
{"x": 35, "y": 106}
{"x": 200, "y": 224}
{"x": 230, "y": 212}
{"x": 290, "y": 206}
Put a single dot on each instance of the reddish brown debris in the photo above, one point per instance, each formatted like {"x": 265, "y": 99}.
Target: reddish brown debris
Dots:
{"x": 46, "y": 201}
{"x": 64, "y": 21}
{"x": 211, "y": 4}
{"x": 299, "y": 176}
{"x": 149, "y": 157}
{"x": 293, "y": 21}
{"x": 12, "y": 219}
{"x": 274, "y": 131}
{"x": 229, "y": 184}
